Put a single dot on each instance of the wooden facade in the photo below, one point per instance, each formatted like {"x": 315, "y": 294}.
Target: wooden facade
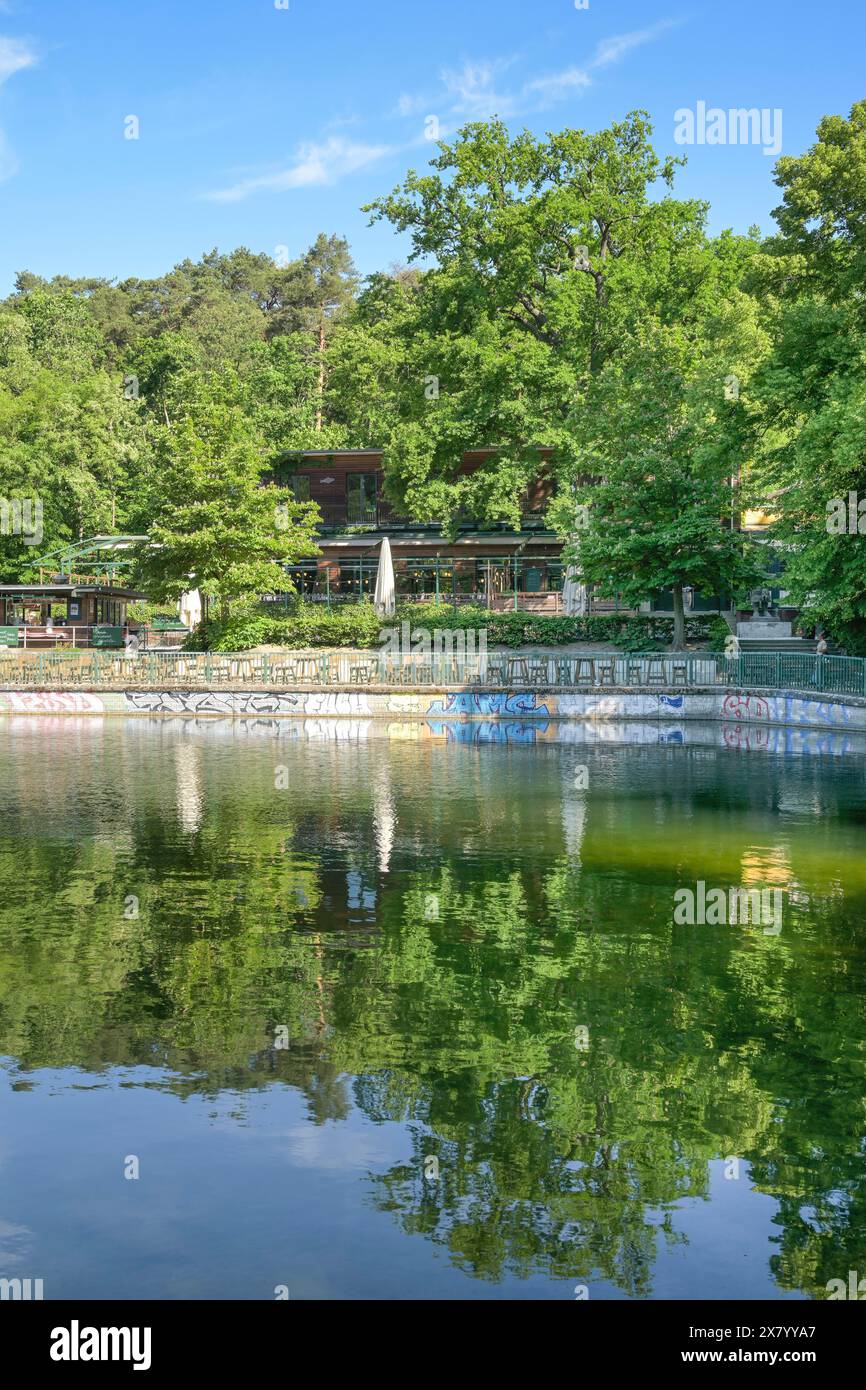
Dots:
{"x": 475, "y": 566}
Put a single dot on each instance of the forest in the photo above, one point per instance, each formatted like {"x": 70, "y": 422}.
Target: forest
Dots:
{"x": 557, "y": 293}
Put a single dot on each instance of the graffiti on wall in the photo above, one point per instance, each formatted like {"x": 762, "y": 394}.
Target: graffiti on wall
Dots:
{"x": 751, "y": 707}
{"x": 811, "y": 712}
{"x": 483, "y": 705}
{"x": 311, "y": 703}
{"x": 50, "y": 702}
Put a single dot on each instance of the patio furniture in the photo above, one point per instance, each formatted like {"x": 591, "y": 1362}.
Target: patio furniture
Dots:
{"x": 656, "y": 671}
{"x": 309, "y": 668}
{"x": 634, "y": 672}
{"x": 585, "y": 674}
{"x": 284, "y": 672}
{"x": 563, "y": 670}
{"x": 606, "y": 671}
{"x": 362, "y": 673}
{"x": 495, "y": 672}
{"x": 539, "y": 672}
{"x": 680, "y": 673}
{"x": 517, "y": 670}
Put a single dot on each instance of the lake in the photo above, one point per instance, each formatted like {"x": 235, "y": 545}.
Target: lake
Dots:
{"x": 306, "y": 1010}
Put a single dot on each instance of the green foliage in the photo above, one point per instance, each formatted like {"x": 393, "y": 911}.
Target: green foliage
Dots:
{"x": 216, "y": 526}
{"x": 808, "y": 402}
{"x": 569, "y": 302}
{"x": 305, "y": 625}
{"x": 357, "y": 625}
{"x": 719, "y": 635}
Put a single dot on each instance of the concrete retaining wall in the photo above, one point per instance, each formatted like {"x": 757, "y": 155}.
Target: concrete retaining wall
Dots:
{"x": 730, "y": 706}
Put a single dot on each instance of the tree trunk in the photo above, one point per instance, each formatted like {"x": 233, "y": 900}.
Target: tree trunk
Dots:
{"x": 679, "y": 619}
{"x": 321, "y": 374}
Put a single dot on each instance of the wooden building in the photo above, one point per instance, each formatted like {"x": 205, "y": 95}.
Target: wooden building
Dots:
{"x": 64, "y": 614}
{"x": 498, "y": 567}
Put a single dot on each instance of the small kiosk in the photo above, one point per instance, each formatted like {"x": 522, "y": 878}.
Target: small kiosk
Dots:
{"x": 82, "y": 606}
{"x": 64, "y": 614}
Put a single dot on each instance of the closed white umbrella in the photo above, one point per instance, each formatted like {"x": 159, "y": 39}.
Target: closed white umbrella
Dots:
{"x": 189, "y": 608}
{"x": 384, "y": 597}
{"x": 574, "y": 595}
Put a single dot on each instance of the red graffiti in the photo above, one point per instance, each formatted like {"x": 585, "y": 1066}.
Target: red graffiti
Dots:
{"x": 50, "y": 702}
{"x": 745, "y": 707}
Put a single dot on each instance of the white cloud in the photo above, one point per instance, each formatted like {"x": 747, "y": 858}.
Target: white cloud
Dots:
{"x": 472, "y": 92}
{"x": 14, "y": 55}
{"x": 557, "y": 85}
{"x": 612, "y": 49}
{"x": 314, "y": 166}
{"x": 409, "y": 105}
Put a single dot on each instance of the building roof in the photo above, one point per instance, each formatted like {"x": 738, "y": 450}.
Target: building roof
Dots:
{"x": 62, "y": 591}
{"x": 416, "y": 540}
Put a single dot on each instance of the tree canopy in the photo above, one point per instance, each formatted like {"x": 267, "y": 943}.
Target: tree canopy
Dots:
{"x": 559, "y": 296}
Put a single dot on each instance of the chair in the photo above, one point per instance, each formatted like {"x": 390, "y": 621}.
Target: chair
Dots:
{"x": 539, "y": 672}
{"x": 563, "y": 670}
{"x": 284, "y": 672}
{"x": 495, "y": 672}
{"x": 634, "y": 672}
{"x": 309, "y": 668}
{"x": 362, "y": 673}
{"x": 656, "y": 671}
{"x": 517, "y": 670}
{"x": 680, "y": 673}
{"x": 585, "y": 673}
{"x": 606, "y": 671}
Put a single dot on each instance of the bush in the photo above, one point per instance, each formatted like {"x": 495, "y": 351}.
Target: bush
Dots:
{"x": 641, "y": 633}
{"x": 719, "y": 634}
{"x": 301, "y": 625}
{"x": 357, "y": 625}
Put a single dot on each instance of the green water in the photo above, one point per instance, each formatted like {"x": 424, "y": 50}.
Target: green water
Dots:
{"x": 285, "y": 967}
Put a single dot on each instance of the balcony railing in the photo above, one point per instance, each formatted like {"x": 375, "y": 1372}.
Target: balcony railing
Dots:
{"x": 460, "y": 668}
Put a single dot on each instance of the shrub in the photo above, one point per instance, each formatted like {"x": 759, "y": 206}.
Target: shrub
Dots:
{"x": 300, "y": 625}
{"x": 718, "y": 635}
{"x": 357, "y": 625}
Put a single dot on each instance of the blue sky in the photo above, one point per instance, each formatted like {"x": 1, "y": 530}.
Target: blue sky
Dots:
{"x": 261, "y": 126}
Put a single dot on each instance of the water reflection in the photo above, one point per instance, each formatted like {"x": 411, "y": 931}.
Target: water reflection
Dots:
{"x": 410, "y": 937}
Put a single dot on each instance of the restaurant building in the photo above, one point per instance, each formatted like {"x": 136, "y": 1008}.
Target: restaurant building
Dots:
{"x": 497, "y": 567}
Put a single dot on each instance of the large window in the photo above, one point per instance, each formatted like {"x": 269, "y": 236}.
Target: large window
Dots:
{"x": 361, "y": 499}
{"x": 358, "y": 577}
{"x": 301, "y": 487}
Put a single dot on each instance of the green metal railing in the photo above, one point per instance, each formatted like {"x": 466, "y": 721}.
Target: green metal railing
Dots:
{"x": 795, "y": 671}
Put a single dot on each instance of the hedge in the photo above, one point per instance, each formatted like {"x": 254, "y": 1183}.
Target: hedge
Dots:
{"x": 308, "y": 625}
